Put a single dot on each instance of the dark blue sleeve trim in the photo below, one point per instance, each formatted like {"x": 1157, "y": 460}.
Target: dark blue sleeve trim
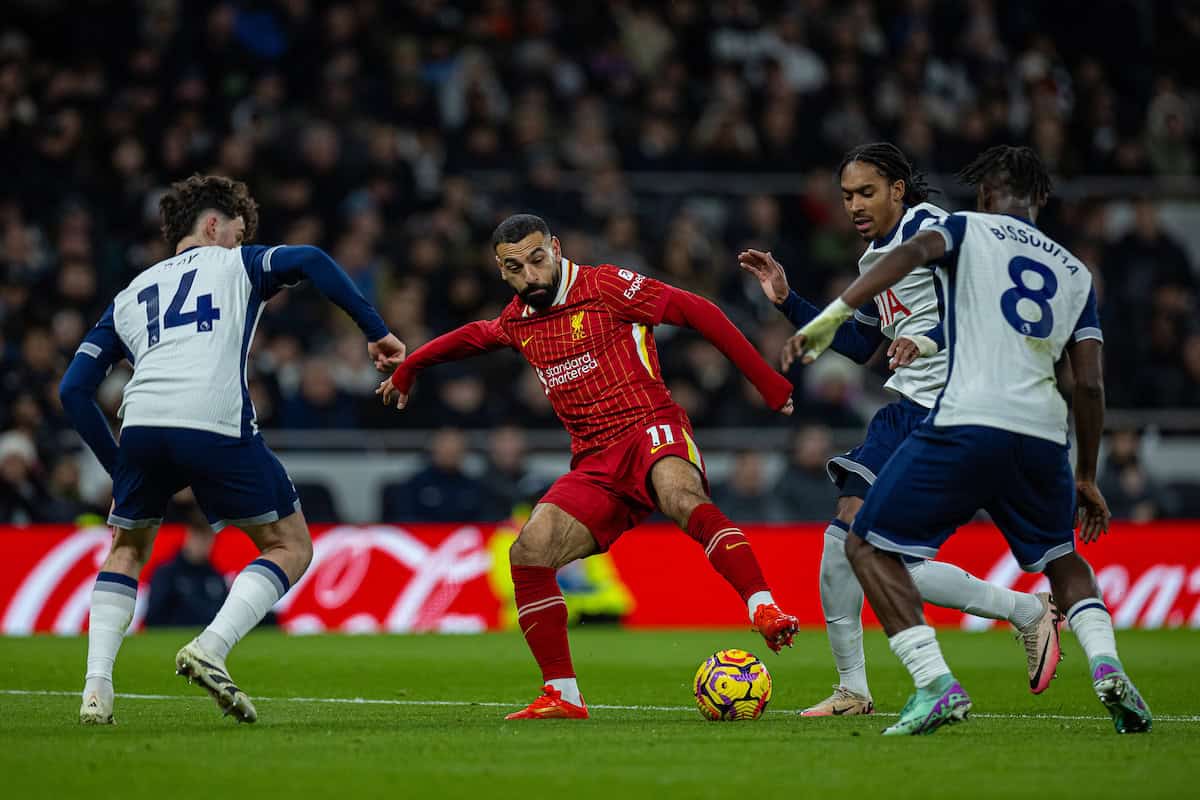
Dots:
{"x": 914, "y": 224}
{"x": 1088, "y": 324}
{"x": 953, "y": 229}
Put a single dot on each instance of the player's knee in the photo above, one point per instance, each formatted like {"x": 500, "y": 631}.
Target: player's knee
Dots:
{"x": 534, "y": 546}
{"x": 679, "y": 507}
{"x": 289, "y": 542}
{"x": 847, "y": 508}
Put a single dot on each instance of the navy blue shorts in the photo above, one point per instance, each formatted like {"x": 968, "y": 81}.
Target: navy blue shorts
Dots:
{"x": 236, "y": 481}
{"x": 855, "y": 472}
{"x": 940, "y": 477}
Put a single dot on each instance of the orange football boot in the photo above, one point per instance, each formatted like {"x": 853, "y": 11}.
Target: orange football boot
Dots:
{"x": 551, "y": 706}
{"x": 775, "y": 626}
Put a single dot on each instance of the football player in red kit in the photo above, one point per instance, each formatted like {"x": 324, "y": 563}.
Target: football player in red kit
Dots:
{"x": 587, "y": 333}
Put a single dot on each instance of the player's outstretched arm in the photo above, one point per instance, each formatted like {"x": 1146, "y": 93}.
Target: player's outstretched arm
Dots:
{"x": 277, "y": 267}
{"x": 690, "y": 310}
{"x": 815, "y": 337}
{"x": 472, "y": 339}
{"x": 1087, "y": 403}
{"x": 857, "y": 339}
{"x": 100, "y": 349}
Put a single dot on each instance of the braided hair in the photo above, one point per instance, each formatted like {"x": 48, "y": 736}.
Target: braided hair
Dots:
{"x": 894, "y": 165}
{"x": 1017, "y": 168}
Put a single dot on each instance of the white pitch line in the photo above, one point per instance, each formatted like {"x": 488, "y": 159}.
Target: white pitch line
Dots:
{"x": 368, "y": 701}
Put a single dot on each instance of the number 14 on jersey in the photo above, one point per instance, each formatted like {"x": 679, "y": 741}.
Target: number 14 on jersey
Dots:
{"x": 203, "y": 317}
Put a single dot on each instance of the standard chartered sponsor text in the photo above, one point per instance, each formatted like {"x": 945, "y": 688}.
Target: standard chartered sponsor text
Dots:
{"x": 568, "y": 370}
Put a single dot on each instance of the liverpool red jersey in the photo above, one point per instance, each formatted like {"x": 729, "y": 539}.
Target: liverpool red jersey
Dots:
{"x": 594, "y": 351}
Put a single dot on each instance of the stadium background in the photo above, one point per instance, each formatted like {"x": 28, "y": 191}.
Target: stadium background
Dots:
{"x": 660, "y": 137}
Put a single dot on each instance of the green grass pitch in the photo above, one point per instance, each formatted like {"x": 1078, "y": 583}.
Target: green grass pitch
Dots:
{"x": 436, "y": 727}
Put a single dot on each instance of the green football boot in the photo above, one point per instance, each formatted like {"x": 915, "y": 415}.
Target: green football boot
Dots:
{"x": 943, "y": 702}
{"x": 1129, "y": 711}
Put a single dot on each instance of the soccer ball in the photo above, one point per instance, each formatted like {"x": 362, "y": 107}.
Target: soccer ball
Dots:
{"x": 732, "y": 685}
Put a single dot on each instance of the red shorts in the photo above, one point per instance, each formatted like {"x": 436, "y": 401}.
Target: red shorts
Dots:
{"x": 609, "y": 490}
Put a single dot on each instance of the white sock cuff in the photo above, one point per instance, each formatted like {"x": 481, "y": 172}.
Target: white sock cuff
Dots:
{"x": 836, "y": 529}
{"x": 1085, "y": 604}
{"x": 910, "y": 636}
{"x": 111, "y": 610}
{"x": 264, "y": 589}
{"x": 758, "y": 599}
{"x": 271, "y": 574}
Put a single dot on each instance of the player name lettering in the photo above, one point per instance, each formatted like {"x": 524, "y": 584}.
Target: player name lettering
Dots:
{"x": 1032, "y": 239}
{"x": 568, "y": 370}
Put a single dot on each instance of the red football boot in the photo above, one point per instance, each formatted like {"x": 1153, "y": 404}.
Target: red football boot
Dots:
{"x": 551, "y": 706}
{"x": 775, "y": 626}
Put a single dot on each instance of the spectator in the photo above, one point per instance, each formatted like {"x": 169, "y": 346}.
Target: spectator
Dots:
{"x": 318, "y": 403}
{"x": 371, "y": 145}
{"x": 24, "y": 498}
{"x": 805, "y": 488}
{"x": 1131, "y": 492}
{"x": 747, "y": 496}
{"x": 510, "y": 482}
{"x": 442, "y": 492}
{"x": 187, "y": 590}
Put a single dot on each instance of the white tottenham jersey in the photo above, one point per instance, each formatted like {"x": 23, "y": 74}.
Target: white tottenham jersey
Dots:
{"x": 187, "y": 323}
{"x": 1016, "y": 298}
{"x": 910, "y": 308}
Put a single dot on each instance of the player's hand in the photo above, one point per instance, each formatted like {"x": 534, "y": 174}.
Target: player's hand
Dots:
{"x": 788, "y": 408}
{"x": 907, "y": 349}
{"x": 387, "y": 353}
{"x": 902, "y": 352}
{"x": 793, "y": 348}
{"x": 768, "y": 271}
{"x": 388, "y": 393}
{"x": 1093, "y": 514}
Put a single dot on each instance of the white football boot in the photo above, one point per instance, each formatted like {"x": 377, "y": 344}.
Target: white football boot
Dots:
{"x": 842, "y": 702}
{"x": 97, "y": 705}
{"x": 198, "y": 666}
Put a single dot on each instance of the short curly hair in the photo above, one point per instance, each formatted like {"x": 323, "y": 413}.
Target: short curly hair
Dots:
{"x": 183, "y": 203}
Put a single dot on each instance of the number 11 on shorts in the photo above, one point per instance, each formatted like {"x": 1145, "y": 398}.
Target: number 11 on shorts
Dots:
{"x": 658, "y": 439}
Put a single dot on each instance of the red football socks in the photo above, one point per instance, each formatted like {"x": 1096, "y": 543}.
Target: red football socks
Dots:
{"x": 727, "y": 549}
{"x": 542, "y": 617}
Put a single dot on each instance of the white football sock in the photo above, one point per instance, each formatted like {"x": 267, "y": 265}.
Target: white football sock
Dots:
{"x": 918, "y": 649}
{"x": 948, "y": 586}
{"x": 256, "y": 588}
{"x": 1090, "y": 620}
{"x": 113, "y": 600}
{"x": 569, "y": 688}
{"x": 759, "y": 599}
{"x": 842, "y": 602}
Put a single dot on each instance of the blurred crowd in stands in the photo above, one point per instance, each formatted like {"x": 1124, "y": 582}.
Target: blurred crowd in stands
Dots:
{"x": 396, "y": 135}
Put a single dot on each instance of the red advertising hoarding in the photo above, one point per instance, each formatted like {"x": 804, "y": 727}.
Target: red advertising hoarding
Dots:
{"x": 453, "y": 578}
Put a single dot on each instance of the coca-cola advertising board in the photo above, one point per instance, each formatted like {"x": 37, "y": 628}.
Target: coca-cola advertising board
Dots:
{"x": 454, "y": 578}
